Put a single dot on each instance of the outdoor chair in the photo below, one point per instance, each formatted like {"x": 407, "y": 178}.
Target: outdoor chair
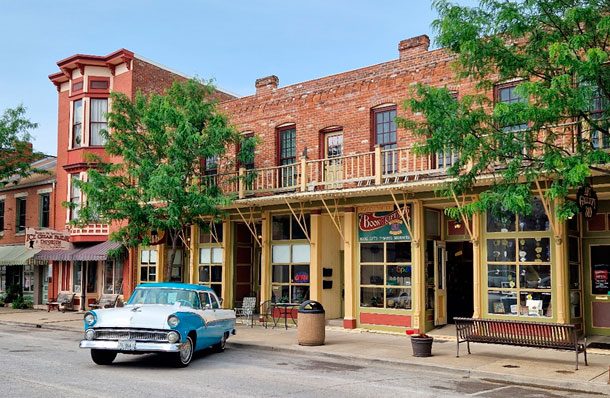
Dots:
{"x": 246, "y": 311}
{"x": 265, "y": 313}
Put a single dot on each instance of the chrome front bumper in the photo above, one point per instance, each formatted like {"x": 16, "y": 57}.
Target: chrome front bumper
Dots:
{"x": 141, "y": 346}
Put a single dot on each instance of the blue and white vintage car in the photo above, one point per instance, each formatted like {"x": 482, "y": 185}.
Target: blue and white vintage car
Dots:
{"x": 175, "y": 318}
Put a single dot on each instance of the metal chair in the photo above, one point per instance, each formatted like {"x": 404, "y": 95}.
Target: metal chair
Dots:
{"x": 246, "y": 311}
{"x": 265, "y": 312}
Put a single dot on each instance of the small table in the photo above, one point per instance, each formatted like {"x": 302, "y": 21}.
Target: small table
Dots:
{"x": 285, "y": 309}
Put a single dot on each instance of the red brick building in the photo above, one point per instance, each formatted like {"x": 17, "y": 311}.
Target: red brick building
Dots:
{"x": 26, "y": 203}
{"x": 84, "y": 83}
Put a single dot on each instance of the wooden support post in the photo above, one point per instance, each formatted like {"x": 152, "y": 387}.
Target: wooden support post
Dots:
{"x": 227, "y": 261}
{"x": 477, "y": 271}
{"x": 418, "y": 272}
{"x": 193, "y": 255}
{"x": 315, "y": 261}
{"x": 242, "y": 183}
{"x": 266, "y": 257}
{"x": 378, "y": 165}
{"x": 561, "y": 254}
{"x": 303, "y": 174}
{"x": 349, "y": 272}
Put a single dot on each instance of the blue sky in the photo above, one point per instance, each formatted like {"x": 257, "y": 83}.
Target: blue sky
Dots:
{"x": 234, "y": 42}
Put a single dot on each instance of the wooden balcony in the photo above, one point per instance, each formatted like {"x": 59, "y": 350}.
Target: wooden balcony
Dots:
{"x": 89, "y": 230}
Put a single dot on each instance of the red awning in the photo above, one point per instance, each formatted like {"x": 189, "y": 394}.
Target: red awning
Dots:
{"x": 98, "y": 252}
{"x": 57, "y": 255}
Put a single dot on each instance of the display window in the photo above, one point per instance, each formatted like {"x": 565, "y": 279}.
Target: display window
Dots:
{"x": 518, "y": 262}
{"x": 211, "y": 256}
{"x": 148, "y": 265}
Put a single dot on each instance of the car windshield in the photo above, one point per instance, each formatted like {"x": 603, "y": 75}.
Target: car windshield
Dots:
{"x": 164, "y": 296}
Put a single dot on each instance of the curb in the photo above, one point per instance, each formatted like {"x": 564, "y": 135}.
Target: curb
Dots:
{"x": 574, "y": 386}
{"x": 39, "y": 326}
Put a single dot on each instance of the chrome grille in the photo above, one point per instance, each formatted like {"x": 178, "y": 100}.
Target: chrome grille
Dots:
{"x": 135, "y": 334}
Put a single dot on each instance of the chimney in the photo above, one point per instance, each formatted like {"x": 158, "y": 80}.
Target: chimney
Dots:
{"x": 266, "y": 84}
{"x": 413, "y": 46}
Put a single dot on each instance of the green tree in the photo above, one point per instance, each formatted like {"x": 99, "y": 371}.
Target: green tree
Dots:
{"x": 558, "y": 49}
{"x": 16, "y": 155}
{"x": 158, "y": 184}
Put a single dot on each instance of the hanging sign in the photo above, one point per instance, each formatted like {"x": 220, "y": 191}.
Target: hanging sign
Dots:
{"x": 47, "y": 239}
{"x": 383, "y": 226}
{"x": 586, "y": 200}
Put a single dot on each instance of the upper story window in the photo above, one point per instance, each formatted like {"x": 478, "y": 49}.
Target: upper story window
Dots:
{"x": 287, "y": 145}
{"x": 21, "y": 211}
{"x": 599, "y": 140}
{"x": 211, "y": 165}
{"x": 77, "y": 123}
{"x": 247, "y": 141}
{"x": 506, "y": 94}
{"x": 1, "y": 216}
{"x": 384, "y": 127}
{"x": 45, "y": 210}
{"x": 97, "y": 121}
{"x": 75, "y": 196}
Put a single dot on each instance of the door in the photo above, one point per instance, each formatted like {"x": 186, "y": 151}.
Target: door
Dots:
{"x": 45, "y": 277}
{"x": 244, "y": 263}
{"x": 440, "y": 288}
{"x": 333, "y": 168}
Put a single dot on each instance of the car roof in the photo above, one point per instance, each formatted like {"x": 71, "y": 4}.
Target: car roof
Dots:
{"x": 174, "y": 285}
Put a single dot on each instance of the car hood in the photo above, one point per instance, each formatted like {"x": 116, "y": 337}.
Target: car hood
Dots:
{"x": 149, "y": 316}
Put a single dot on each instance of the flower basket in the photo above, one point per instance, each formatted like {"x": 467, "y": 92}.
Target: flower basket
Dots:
{"x": 422, "y": 345}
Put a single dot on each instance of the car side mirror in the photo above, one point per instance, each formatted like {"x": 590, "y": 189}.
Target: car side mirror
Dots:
{"x": 208, "y": 307}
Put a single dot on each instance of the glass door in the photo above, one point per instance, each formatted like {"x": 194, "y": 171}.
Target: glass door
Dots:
{"x": 440, "y": 289}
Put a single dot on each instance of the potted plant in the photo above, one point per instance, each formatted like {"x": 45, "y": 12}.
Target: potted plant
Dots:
{"x": 421, "y": 344}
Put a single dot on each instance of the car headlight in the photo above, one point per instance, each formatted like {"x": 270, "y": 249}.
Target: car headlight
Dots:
{"x": 173, "y": 337}
{"x": 173, "y": 321}
{"x": 89, "y": 318}
{"x": 90, "y": 334}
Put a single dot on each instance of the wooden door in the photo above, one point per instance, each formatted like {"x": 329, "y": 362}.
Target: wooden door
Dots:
{"x": 244, "y": 263}
{"x": 440, "y": 289}
{"x": 333, "y": 168}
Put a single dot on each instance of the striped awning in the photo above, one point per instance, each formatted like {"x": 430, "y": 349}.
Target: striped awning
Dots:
{"x": 16, "y": 255}
{"x": 98, "y": 252}
{"x": 56, "y": 255}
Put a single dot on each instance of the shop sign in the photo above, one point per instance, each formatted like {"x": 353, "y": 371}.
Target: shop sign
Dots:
{"x": 383, "y": 226}
{"x": 301, "y": 277}
{"x": 399, "y": 271}
{"x": 586, "y": 200}
{"x": 47, "y": 239}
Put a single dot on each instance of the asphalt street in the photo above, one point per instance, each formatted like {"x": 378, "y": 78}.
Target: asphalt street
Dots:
{"x": 48, "y": 363}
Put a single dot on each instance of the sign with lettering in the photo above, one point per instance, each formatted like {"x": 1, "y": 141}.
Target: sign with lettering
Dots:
{"x": 586, "y": 200}
{"x": 383, "y": 226}
{"x": 47, "y": 239}
{"x": 301, "y": 277}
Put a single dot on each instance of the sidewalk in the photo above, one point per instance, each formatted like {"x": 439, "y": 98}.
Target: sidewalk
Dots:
{"x": 520, "y": 365}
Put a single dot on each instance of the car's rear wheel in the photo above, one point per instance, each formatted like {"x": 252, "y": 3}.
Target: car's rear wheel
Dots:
{"x": 185, "y": 355}
{"x": 220, "y": 347}
{"x": 103, "y": 357}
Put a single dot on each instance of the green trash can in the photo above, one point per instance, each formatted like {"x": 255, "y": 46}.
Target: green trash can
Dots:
{"x": 312, "y": 323}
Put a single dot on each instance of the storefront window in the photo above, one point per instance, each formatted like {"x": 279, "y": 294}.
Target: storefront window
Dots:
{"x": 210, "y": 267}
{"x": 2, "y": 278}
{"x": 290, "y": 273}
{"x": 519, "y": 266}
{"x": 148, "y": 265}
{"x": 113, "y": 277}
{"x": 387, "y": 265}
{"x": 28, "y": 278}
{"x": 574, "y": 272}
{"x": 600, "y": 269}
{"x": 430, "y": 275}
{"x": 92, "y": 277}
{"x": 76, "y": 279}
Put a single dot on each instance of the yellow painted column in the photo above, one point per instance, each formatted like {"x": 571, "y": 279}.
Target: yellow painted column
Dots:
{"x": 162, "y": 263}
{"x": 193, "y": 255}
{"x": 560, "y": 293}
{"x": 349, "y": 267}
{"x": 266, "y": 257}
{"x": 315, "y": 260}
{"x": 227, "y": 261}
{"x": 477, "y": 264}
{"x": 417, "y": 266}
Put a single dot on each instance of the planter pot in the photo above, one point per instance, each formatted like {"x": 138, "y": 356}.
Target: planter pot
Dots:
{"x": 422, "y": 346}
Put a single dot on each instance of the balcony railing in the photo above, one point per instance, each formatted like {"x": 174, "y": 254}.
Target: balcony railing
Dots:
{"x": 361, "y": 169}
{"x": 90, "y": 230}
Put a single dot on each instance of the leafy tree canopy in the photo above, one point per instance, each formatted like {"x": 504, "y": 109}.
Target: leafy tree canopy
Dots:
{"x": 556, "y": 129}
{"x": 158, "y": 184}
{"x": 16, "y": 155}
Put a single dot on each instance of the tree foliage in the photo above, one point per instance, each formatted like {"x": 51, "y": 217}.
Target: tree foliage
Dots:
{"x": 557, "y": 50}
{"x": 158, "y": 183}
{"x": 16, "y": 155}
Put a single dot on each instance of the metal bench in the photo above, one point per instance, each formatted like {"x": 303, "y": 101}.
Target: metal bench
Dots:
{"x": 526, "y": 334}
{"x": 105, "y": 301}
{"x": 65, "y": 299}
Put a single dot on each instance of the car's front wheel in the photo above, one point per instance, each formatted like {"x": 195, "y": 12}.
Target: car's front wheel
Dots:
{"x": 103, "y": 357}
{"x": 184, "y": 356}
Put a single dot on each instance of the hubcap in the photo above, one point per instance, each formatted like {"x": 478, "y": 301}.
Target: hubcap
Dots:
{"x": 223, "y": 341}
{"x": 186, "y": 351}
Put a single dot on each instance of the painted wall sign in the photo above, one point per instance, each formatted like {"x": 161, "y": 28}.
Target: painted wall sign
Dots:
{"x": 383, "y": 226}
{"x": 47, "y": 239}
{"x": 586, "y": 200}
{"x": 375, "y": 208}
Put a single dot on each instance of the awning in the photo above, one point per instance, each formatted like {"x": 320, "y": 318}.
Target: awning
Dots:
{"x": 16, "y": 255}
{"x": 98, "y": 252}
{"x": 57, "y": 255}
